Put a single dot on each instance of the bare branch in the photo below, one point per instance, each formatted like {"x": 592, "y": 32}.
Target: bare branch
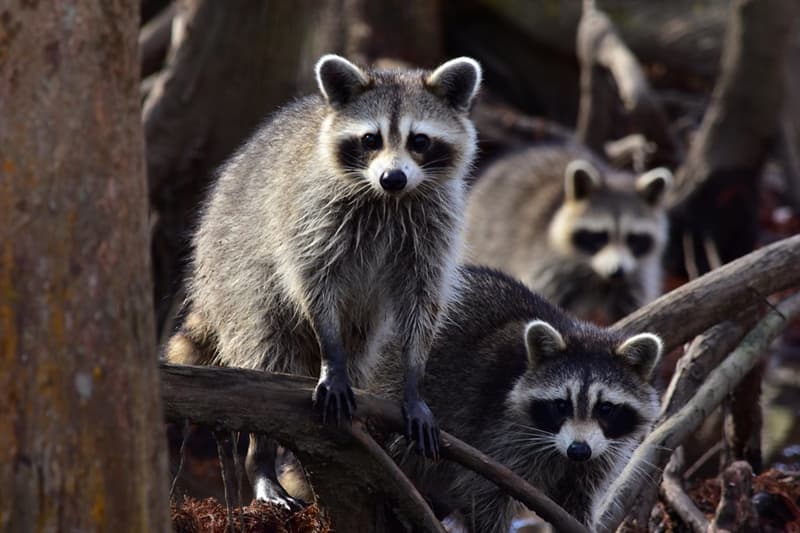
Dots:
{"x": 670, "y": 433}
{"x": 279, "y": 405}
{"x": 736, "y": 513}
{"x": 696, "y": 306}
{"x": 672, "y": 490}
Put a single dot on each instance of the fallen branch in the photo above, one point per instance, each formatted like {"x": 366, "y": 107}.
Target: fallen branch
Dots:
{"x": 674, "y": 430}
{"x": 673, "y": 493}
{"x": 680, "y": 315}
{"x": 279, "y": 405}
{"x": 735, "y": 512}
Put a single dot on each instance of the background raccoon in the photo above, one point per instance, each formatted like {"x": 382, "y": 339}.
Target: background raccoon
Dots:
{"x": 561, "y": 402}
{"x": 587, "y": 237}
{"x": 335, "y": 229}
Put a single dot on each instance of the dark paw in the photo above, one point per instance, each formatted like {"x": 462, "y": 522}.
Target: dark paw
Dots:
{"x": 422, "y": 428}
{"x": 273, "y": 494}
{"x": 334, "y": 397}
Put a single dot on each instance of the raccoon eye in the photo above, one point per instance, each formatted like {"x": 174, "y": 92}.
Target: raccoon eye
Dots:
{"x": 562, "y": 406}
{"x": 370, "y": 141}
{"x": 639, "y": 243}
{"x": 590, "y": 241}
{"x": 605, "y": 408}
{"x": 419, "y": 142}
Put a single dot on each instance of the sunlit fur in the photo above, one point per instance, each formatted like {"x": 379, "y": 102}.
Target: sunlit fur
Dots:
{"x": 482, "y": 381}
{"x": 522, "y": 220}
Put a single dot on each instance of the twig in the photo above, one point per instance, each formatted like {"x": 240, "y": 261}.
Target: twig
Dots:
{"x": 222, "y": 461}
{"x": 237, "y": 465}
{"x": 404, "y": 492}
{"x": 182, "y": 459}
{"x": 703, "y": 459}
{"x": 672, "y": 431}
{"x": 680, "y": 315}
{"x": 673, "y": 492}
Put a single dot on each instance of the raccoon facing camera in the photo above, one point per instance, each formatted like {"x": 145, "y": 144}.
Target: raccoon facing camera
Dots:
{"x": 586, "y": 236}
{"x": 333, "y": 232}
{"x": 562, "y": 402}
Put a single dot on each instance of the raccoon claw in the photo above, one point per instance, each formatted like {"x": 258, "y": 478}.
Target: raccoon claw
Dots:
{"x": 334, "y": 396}
{"x": 421, "y": 427}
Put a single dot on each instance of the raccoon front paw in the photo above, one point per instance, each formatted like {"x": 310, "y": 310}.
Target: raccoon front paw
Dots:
{"x": 421, "y": 427}
{"x": 333, "y": 395}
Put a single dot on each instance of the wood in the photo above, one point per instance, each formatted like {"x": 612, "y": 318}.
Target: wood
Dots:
{"x": 673, "y": 431}
{"x": 673, "y": 493}
{"x": 714, "y": 297}
{"x": 736, "y": 512}
{"x": 279, "y": 405}
{"x": 81, "y": 448}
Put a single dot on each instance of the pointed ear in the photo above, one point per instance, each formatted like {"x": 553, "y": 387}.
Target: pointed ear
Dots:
{"x": 542, "y": 341}
{"x": 652, "y": 185}
{"x": 580, "y": 179}
{"x": 339, "y": 80}
{"x": 641, "y": 352}
{"x": 457, "y": 81}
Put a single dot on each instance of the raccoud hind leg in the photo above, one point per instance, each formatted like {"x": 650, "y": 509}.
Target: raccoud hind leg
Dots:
{"x": 262, "y": 473}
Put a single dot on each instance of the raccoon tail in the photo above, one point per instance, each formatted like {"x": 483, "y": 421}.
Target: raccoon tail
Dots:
{"x": 193, "y": 344}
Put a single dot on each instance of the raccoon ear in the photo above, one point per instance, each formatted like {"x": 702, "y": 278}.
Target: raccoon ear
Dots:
{"x": 652, "y": 185}
{"x": 339, "y": 80}
{"x": 457, "y": 81}
{"x": 580, "y": 179}
{"x": 542, "y": 341}
{"x": 642, "y": 352}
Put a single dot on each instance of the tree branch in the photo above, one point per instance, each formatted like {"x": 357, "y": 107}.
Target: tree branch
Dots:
{"x": 673, "y": 431}
{"x": 696, "y": 306}
{"x": 279, "y": 405}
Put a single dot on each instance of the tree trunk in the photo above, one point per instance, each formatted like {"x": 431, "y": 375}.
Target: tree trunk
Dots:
{"x": 79, "y": 388}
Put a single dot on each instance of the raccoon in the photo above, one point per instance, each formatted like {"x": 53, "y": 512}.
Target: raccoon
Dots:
{"x": 561, "y": 402}
{"x": 587, "y": 237}
{"x": 335, "y": 229}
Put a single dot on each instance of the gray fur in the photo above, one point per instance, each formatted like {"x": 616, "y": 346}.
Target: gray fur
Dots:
{"x": 479, "y": 384}
{"x": 519, "y": 219}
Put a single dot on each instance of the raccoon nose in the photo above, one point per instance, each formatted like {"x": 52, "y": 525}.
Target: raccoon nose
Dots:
{"x": 617, "y": 274}
{"x": 393, "y": 180}
{"x": 579, "y": 451}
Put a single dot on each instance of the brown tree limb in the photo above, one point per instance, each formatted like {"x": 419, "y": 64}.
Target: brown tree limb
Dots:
{"x": 279, "y": 405}
{"x": 735, "y": 512}
{"x": 694, "y": 307}
{"x": 673, "y": 493}
{"x": 674, "y": 430}
{"x": 600, "y": 49}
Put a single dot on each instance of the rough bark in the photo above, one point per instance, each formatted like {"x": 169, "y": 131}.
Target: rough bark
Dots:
{"x": 79, "y": 449}
{"x": 233, "y": 63}
{"x": 348, "y": 481}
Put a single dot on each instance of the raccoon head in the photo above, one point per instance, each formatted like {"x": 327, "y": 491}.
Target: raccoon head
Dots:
{"x": 393, "y": 131}
{"x": 615, "y": 229}
{"x": 586, "y": 396}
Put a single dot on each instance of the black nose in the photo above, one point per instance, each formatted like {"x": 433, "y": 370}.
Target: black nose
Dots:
{"x": 617, "y": 275}
{"x": 393, "y": 180}
{"x": 579, "y": 451}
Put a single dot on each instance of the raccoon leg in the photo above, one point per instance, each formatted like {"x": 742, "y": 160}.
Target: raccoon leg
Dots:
{"x": 260, "y": 465}
{"x": 333, "y": 394}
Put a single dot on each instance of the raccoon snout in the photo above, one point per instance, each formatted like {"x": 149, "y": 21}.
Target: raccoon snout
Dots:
{"x": 393, "y": 180}
{"x": 579, "y": 451}
{"x": 618, "y": 274}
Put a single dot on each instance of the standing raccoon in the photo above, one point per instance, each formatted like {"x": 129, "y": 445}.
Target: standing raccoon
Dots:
{"x": 335, "y": 230}
{"x": 571, "y": 228}
{"x": 561, "y": 402}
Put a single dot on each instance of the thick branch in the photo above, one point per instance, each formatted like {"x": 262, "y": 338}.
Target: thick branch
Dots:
{"x": 674, "y": 430}
{"x": 696, "y": 306}
{"x": 279, "y": 405}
